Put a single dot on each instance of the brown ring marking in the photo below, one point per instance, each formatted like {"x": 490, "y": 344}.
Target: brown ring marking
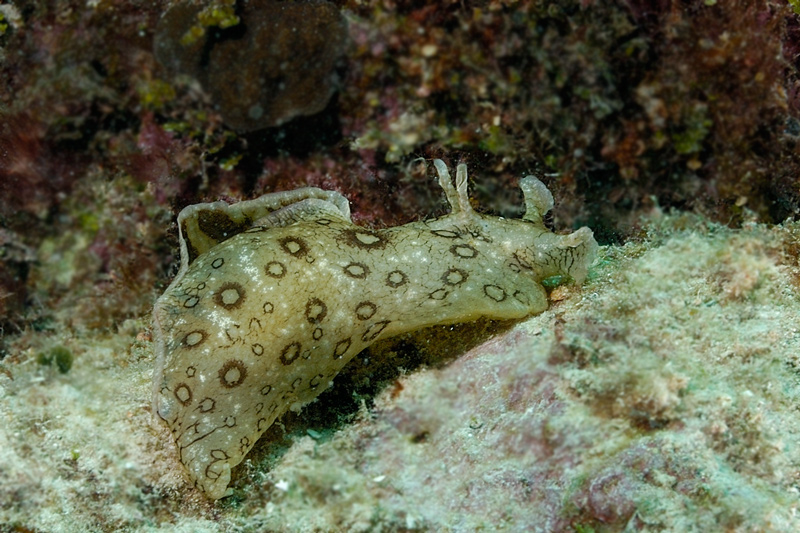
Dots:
{"x": 218, "y": 262}
{"x": 341, "y": 348}
{"x": 290, "y": 352}
{"x": 235, "y": 336}
{"x": 316, "y": 310}
{"x": 454, "y": 277}
{"x": 232, "y": 380}
{"x": 183, "y": 394}
{"x": 275, "y": 269}
{"x": 438, "y": 294}
{"x": 258, "y": 349}
{"x": 293, "y": 246}
{"x": 446, "y": 233}
{"x": 366, "y": 310}
{"x": 396, "y": 278}
{"x": 255, "y": 324}
{"x": 230, "y": 295}
{"x": 366, "y": 240}
{"x": 207, "y": 405}
{"x": 244, "y": 443}
{"x": 356, "y": 270}
{"x": 311, "y": 384}
{"x": 194, "y": 338}
{"x": 374, "y": 330}
{"x": 465, "y": 251}
{"x": 498, "y": 294}
{"x": 218, "y": 455}
{"x": 191, "y": 301}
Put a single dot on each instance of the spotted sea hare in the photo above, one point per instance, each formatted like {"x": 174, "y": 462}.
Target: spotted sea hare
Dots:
{"x": 275, "y": 295}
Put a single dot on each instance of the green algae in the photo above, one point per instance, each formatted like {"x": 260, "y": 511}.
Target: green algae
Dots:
{"x": 58, "y": 357}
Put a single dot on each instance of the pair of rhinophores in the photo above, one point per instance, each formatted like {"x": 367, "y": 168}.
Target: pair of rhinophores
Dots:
{"x": 275, "y": 295}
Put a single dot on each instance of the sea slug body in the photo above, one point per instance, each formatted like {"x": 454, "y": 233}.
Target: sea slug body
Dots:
{"x": 275, "y": 295}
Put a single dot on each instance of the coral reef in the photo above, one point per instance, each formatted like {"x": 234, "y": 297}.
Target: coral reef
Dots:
{"x": 642, "y": 103}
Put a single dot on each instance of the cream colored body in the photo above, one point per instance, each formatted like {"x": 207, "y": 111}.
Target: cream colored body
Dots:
{"x": 277, "y": 294}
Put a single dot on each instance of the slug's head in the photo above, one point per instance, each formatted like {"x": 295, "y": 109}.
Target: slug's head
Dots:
{"x": 527, "y": 243}
{"x": 546, "y": 252}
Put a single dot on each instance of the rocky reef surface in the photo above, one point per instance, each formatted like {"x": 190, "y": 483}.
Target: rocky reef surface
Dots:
{"x": 662, "y": 395}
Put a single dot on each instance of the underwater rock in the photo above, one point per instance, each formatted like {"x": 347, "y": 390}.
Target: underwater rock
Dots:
{"x": 278, "y": 62}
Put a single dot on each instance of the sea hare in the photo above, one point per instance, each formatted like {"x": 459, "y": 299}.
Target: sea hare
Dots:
{"x": 275, "y": 295}
{"x": 277, "y": 63}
